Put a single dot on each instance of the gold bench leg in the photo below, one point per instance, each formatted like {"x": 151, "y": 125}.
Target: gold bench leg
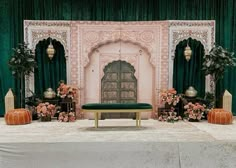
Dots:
{"x": 96, "y": 119}
{"x": 137, "y": 119}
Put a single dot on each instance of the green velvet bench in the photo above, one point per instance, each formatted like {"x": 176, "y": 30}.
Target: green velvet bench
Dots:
{"x": 98, "y": 108}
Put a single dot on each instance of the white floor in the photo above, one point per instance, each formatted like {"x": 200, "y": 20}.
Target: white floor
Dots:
{"x": 118, "y": 143}
{"x": 116, "y": 130}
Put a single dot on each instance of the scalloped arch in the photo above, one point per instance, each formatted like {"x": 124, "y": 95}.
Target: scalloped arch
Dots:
{"x": 98, "y": 45}
{"x": 109, "y": 64}
{"x": 184, "y": 38}
{"x": 37, "y": 40}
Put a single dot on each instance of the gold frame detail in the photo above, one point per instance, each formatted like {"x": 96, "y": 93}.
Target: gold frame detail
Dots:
{"x": 97, "y": 112}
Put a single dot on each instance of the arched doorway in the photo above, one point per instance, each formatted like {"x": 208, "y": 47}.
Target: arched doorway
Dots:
{"x": 189, "y": 73}
{"x": 118, "y": 85}
{"x": 49, "y": 72}
{"x": 131, "y": 54}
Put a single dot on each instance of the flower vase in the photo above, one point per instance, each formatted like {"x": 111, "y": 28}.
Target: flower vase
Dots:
{"x": 46, "y": 118}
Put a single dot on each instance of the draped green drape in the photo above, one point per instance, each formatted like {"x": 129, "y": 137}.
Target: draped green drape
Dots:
{"x": 14, "y": 12}
{"x": 188, "y": 73}
{"x": 49, "y": 72}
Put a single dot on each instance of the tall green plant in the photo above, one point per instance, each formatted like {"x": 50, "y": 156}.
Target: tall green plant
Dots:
{"x": 216, "y": 62}
{"x": 22, "y": 63}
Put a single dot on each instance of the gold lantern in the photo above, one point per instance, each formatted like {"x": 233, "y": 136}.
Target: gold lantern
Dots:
{"x": 50, "y": 50}
{"x": 187, "y": 52}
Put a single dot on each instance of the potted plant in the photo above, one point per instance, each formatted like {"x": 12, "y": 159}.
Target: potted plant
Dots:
{"x": 21, "y": 63}
{"x": 215, "y": 64}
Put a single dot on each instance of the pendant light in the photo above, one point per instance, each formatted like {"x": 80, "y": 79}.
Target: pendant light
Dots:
{"x": 187, "y": 52}
{"x": 50, "y": 50}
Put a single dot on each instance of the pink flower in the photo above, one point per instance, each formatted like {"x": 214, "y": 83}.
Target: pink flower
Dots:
{"x": 66, "y": 90}
{"x": 45, "y": 109}
{"x": 71, "y": 118}
{"x": 172, "y": 91}
{"x": 194, "y": 111}
{"x": 60, "y": 118}
{"x": 67, "y": 117}
{"x": 170, "y": 96}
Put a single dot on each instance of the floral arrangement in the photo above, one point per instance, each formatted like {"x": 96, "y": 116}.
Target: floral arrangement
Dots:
{"x": 170, "y": 96}
{"x": 46, "y": 109}
{"x": 194, "y": 112}
{"x": 170, "y": 116}
{"x": 64, "y": 90}
{"x": 66, "y": 117}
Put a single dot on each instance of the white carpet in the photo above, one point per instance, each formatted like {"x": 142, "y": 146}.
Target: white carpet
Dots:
{"x": 117, "y": 144}
{"x": 117, "y": 130}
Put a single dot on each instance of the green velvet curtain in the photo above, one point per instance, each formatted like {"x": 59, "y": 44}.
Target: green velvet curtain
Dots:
{"x": 49, "y": 72}
{"x": 189, "y": 73}
{"x": 14, "y": 12}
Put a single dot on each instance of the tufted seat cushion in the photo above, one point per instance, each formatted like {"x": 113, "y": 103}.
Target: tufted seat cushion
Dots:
{"x": 103, "y": 106}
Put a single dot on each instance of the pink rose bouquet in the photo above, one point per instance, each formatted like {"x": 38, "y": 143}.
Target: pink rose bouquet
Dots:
{"x": 194, "y": 112}
{"x": 169, "y": 116}
{"x": 66, "y": 117}
{"x": 66, "y": 90}
{"x": 46, "y": 109}
{"x": 170, "y": 96}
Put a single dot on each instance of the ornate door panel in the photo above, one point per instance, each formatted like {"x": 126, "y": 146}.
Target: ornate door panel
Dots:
{"x": 119, "y": 85}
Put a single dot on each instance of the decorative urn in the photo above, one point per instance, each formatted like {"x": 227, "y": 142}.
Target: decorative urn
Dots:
{"x": 49, "y": 93}
{"x": 191, "y": 92}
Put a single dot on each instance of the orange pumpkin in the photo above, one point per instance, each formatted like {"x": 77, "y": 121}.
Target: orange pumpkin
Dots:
{"x": 18, "y": 117}
{"x": 220, "y": 116}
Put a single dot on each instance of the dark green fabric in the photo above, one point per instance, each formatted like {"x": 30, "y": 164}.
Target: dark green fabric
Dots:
{"x": 98, "y": 106}
{"x": 6, "y": 79}
{"x": 188, "y": 73}
{"x": 13, "y": 12}
{"x": 49, "y": 72}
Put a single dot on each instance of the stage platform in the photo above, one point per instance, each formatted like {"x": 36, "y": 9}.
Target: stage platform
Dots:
{"x": 117, "y": 143}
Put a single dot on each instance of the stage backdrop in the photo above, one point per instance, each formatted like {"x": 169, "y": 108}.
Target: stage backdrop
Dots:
{"x": 14, "y": 12}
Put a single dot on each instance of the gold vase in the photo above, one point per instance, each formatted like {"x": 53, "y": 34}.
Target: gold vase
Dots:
{"x": 49, "y": 93}
{"x": 191, "y": 92}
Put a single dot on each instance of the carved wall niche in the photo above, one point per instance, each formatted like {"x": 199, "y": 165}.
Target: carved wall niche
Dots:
{"x": 203, "y": 31}
{"x": 35, "y": 31}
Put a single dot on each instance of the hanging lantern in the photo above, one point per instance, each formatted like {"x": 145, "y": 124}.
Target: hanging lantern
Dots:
{"x": 50, "y": 50}
{"x": 187, "y": 52}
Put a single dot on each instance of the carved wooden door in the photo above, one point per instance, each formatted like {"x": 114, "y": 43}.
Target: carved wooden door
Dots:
{"x": 119, "y": 85}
